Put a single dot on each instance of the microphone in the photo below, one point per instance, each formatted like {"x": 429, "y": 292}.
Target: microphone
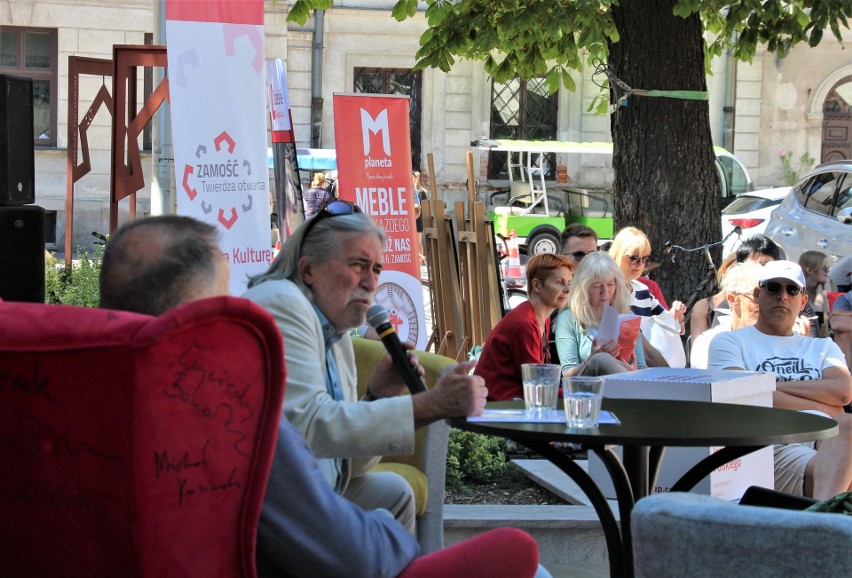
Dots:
{"x": 378, "y": 318}
{"x": 738, "y": 231}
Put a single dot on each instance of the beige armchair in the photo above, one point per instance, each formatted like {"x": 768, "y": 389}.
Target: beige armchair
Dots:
{"x": 426, "y": 469}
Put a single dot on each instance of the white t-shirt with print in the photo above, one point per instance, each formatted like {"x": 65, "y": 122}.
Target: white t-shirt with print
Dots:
{"x": 790, "y": 358}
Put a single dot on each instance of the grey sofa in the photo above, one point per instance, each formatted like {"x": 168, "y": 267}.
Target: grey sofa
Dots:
{"x": 678, "y": 535}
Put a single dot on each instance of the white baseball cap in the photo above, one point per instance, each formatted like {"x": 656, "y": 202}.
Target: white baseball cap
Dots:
{"x": 783, "y": 270}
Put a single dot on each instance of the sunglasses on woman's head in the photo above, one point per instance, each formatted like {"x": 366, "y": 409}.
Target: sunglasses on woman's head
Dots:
{"x": 773, "y": 287}
{"x": 334, "y": 208}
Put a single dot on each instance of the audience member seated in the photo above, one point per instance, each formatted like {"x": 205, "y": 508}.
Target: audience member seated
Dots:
{"x": 811, "y": 374}
{"x": 598, "y": 282}
{"x": 522, "y": 336}
{"x": 738, "y": 287}
{"x": 841, "y": 274}
{"x": 153, "y": 265}
{"x": 706, "y": 313}
{"x": 318, "y": 288}
{"x": 709, "y": 312}
{"x": 840, "y": 322}
{"x": 305, "y": 528}
{"x": 815, "y": 264}
{"x": 631, "y": 250}
{"x": 578, "y": 240}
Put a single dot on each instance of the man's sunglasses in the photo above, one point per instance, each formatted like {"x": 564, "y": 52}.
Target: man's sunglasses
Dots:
{"x": 334, "y": 208}
{"x": 637, "y": 260}
{"x": 577, "y": 255}
{"x": 773, "y": 287}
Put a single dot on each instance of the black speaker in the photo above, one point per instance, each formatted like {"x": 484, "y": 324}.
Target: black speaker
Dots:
{"x": 22, "y": 254}
{"x": 17, "y": 155}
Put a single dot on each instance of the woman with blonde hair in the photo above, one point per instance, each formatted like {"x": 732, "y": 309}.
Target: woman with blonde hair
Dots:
{"x": 815, "y": 265}
{"x": 316, "y": 197}
{"x": 522, "y": 335}
{"x": 598, "y": 282}
{"x": 631, "y": 250}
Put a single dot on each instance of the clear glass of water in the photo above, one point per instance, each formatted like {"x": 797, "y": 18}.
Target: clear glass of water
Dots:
{"x": 582, "y": 400}
{"x": 541, "y": 388}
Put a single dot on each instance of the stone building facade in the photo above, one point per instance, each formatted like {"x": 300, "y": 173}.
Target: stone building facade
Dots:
{"x": 757, "y": 108}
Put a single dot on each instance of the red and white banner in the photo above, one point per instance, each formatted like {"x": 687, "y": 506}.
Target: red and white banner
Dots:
{"x": 374, "y": 172}
{"x": 218, "y": 109}
{"x": 288, "y": 186}
{"x": 279, "y": 102}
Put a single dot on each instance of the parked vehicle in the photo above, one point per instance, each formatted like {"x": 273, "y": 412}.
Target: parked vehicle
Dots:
{"x": 749, "y": 211}
{"x": 538, "y": 210}
{"x": 817, "y": 213}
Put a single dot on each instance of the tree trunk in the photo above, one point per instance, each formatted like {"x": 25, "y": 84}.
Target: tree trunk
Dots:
{"x": 665, "y": 176}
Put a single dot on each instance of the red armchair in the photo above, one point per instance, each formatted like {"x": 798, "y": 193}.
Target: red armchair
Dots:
{"x": 135, "y": 446}
{"x": 140, "y": 446}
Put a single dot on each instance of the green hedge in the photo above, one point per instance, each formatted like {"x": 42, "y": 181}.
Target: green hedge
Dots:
{"x": 78, "y": 287}
{"x": 475, "y": 459}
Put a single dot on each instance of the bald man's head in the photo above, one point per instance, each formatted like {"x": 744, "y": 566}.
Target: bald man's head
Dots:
{"x": 152, "y": 265}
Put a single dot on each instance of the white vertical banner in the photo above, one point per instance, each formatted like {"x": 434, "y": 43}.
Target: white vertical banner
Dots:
{"x": 218, "y": 108}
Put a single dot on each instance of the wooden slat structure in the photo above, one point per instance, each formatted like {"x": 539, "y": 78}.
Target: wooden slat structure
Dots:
{"x": 461, "y": 257}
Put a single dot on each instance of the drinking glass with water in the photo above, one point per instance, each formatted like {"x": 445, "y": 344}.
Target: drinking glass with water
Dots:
{"x": 541, "y": 388}
{"x": 582, "y": 400}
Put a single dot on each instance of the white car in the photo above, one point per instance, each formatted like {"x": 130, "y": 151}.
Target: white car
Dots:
{"x": 750, "y": 211}
{"x": 817, "y": 214}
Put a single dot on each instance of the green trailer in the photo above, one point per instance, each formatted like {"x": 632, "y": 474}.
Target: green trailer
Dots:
{"x": 538, "y": 210}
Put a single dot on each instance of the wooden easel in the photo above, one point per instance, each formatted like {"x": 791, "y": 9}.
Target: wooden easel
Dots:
{"x": 448, "y": 337}
{"x": 460, "y": 257}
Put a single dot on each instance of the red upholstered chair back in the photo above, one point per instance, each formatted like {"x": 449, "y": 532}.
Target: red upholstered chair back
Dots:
{"x": 133, "y": 445}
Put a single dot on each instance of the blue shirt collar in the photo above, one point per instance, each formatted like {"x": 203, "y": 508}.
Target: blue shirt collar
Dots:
{"x": 329, "y": 333}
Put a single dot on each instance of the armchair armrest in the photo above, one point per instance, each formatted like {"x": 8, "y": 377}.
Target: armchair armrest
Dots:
{"x": 430, "y": 445}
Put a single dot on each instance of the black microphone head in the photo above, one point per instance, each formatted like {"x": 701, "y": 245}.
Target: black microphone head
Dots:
{"x": 738, "y": 230}
{"x": 377, "y": 315}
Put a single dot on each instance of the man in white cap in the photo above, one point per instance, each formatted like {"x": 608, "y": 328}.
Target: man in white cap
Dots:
{"x": 811, "y": 374}
{"x": 739, "y": 284}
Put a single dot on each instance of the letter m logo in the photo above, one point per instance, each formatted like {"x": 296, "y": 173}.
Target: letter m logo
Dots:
{"x": 375, "y": 125}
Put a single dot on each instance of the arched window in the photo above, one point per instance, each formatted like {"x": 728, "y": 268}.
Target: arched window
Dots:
{"x": 837, "y": 122}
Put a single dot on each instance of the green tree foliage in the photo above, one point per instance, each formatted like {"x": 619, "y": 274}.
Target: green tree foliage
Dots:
{"x": 531, "y": 38}
{"x": 789, "y": 174}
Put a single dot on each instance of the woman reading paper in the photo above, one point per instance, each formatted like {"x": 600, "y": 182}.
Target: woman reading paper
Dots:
{"x": 598, "y": 282}
{"x": 522, "y": 335}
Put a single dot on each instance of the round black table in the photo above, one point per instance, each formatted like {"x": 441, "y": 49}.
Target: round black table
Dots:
{"x": 647, "y": 427}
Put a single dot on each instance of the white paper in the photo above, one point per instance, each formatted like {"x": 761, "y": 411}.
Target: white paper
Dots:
{"x": 520, "y": 416}
{"x": 610, "y": 325}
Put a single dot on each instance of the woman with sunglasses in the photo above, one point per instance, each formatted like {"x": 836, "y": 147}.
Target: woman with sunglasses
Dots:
{"x": 631, "y": 250}
{"x": 598, "y": 282}
{"x": 815, "y": 264}
{"x": 522, "y": 335}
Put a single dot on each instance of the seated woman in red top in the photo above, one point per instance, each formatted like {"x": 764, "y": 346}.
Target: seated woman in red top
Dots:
{"x": 521, "y": 337}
